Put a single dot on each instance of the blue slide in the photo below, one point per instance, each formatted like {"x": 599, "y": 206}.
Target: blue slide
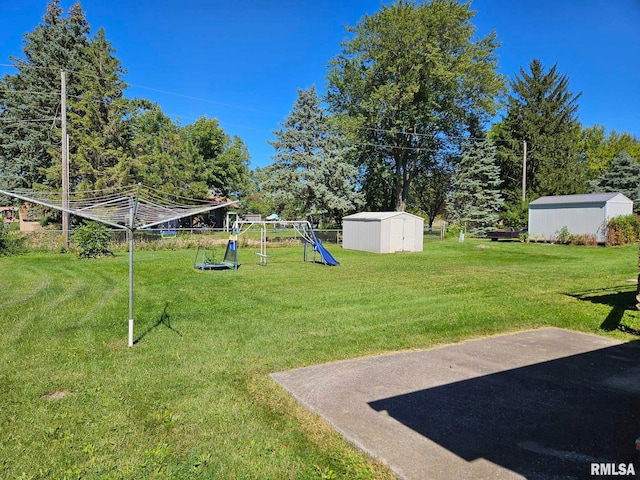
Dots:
{"x": 327, "y": 258}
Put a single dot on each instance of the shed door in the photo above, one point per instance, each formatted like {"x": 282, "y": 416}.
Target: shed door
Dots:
{"x": 409, "y": 232}
{"x": 402, "y": 235}
{"x": 396, "y": 237}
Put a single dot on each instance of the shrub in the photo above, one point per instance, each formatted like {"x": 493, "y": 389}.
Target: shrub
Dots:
{"x": 588, "y": 239}
{"x": 563, "y": 236}
{"x": 9, "y": 244}
{"x": 92, "y": 240}
{"x": 623, "y": 230}
{"x": 453, "y": 231}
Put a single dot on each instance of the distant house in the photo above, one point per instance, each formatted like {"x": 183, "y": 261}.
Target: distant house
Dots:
{"x": 27, "y": 225}
{"x": 7, "y": 214}
{"x": 215, "y": 218}
{"x": 580, "y": 214}
{"x": 383, "y": 232}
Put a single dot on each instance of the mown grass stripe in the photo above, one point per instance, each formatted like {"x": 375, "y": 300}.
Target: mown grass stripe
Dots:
{"x": 193, "y": 398}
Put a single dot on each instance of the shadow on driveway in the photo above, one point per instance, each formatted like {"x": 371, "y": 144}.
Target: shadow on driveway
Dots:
{"x": 540, "y": 404}
{"x": 548, "y": 420}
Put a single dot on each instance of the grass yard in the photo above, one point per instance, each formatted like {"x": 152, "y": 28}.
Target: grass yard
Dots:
{"x": 193, "y": 399}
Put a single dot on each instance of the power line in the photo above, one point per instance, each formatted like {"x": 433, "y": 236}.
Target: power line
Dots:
{"x": 34, "y": 120}
{"x": 13, "y": 65}
{"x": 416, "y": 134}
{"x": 239, "y": 107}
{"x": 143, "y": 87}
{"x": 166, "y": 92}
{"x": 399, "y": 147}
{"x": 31, "y": 92}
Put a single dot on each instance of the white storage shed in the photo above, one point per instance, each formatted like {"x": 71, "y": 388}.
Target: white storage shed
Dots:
{"x": 383, "y": 232}
{"x": 581, "y": 214}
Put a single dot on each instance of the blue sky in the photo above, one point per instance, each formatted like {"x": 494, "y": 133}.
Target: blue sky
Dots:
{"x": 242, "y": 62}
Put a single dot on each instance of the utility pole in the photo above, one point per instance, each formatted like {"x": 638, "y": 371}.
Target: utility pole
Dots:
{"x": 65, "y": 157}
{"x": 524, "y": 172}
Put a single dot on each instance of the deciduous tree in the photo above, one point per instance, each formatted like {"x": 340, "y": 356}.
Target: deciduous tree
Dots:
{"x": 430, "y": 188}
{"x": 598, "y": 148}
{"x": 223, "y": 162}
{"x": 411, "y": 81}
{"x": 162, "y": 158}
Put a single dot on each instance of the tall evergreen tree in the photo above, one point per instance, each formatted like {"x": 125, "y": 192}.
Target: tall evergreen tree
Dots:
{"x": 113, "y": 140}
{"x": 623, "y": 177}
{"x": 541, "y": 110}
{"x": 311, "y": 172}
{"x": 99, "y": 118}
{"x": 30, "y": 100}
{"x": 475, "y": 199}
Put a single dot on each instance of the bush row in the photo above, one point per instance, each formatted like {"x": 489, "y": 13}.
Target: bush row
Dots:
{"x": 9, "y": 244}
{"x": 93, "y": 239}
{"x": 623, "y": 230}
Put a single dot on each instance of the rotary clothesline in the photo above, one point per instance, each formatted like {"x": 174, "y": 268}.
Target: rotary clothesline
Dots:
{"x": 129, "y": 208}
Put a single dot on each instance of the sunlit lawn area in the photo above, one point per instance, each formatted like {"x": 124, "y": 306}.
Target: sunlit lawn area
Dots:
{"x": 193, "y": 399}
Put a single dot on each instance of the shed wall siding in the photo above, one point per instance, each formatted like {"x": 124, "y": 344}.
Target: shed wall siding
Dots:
{"x": 616, "y": 209}
{"x": 581, "y": 214}
{"x": 374, "y": 235}
{"x": 361, "y": 235}
{"x": 545, "y": 223}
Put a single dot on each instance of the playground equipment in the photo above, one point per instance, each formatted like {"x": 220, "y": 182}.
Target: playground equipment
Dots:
{"x": 303, "y": 228}
{"x": 312, "y": 241}
{"x": 230, "y": 260}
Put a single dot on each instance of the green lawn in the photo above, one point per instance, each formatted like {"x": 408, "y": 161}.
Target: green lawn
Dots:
{"x": 193, "y": 399}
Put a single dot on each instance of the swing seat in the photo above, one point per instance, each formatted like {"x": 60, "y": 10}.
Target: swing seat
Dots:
{"x": 224, "y": 265}
{"x": 215, "y": 266}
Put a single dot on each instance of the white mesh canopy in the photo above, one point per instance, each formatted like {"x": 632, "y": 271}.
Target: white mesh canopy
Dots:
{"x": 115, "y": 206}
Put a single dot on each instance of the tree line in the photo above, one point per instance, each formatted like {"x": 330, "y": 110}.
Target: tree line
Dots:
{"x": 115, "y": 141}
{"x": 407, "y": 122}
{"x": 413, "y": 95}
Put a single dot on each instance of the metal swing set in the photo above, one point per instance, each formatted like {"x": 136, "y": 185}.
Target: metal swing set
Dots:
{"x": 302, "y": 227}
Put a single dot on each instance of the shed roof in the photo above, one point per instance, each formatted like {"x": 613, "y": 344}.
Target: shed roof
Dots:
{"x": 581, "y": 199}
{"x": 374, "y": 216}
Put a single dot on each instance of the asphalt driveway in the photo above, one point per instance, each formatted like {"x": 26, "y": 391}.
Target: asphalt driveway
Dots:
{"x": 540, "y": 404}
